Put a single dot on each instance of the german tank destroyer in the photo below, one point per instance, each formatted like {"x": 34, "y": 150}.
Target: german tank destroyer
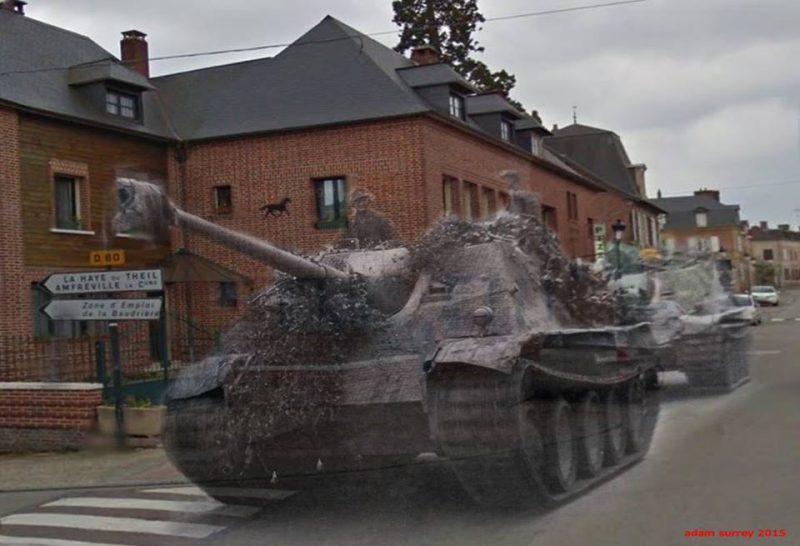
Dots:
{"x": 480, "y": 343}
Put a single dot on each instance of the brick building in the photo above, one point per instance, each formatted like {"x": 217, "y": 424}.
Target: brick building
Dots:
{"x": 776, "y": 252}
{"x": 334, "y": 112}
{"x": 701, "y": 223}
{"x": 600, "y": 155}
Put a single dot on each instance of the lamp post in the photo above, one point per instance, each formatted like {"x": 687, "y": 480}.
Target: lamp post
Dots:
{"x": 618, "y": 228}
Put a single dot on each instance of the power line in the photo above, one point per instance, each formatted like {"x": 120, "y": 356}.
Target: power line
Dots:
{"x": 753, "y": 185}
{"x": 309, "y": 42}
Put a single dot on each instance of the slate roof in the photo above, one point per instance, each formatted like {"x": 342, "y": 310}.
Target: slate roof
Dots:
{"x": 486, "y": 103}
{"x": 27, "y": 45}
{"x": 600, "y": 151}
{"x": 681, "y": 211}
{"x": 433, "y": 74}
{"x": 332, "y": 74}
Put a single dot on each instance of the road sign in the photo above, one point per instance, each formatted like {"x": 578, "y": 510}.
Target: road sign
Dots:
{"x": 104, "y": 281}
{"x": 599, "y": 231}
{"x": 119, "y": 309}
{"x": 107, "y": 257}
{"x": 599, "y": 249}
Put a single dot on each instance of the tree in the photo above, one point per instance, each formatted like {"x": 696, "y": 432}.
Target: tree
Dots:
{"x": 448, "y": 25}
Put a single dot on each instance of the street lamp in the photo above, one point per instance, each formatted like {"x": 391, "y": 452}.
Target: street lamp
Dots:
{"x": 618, "y": 228}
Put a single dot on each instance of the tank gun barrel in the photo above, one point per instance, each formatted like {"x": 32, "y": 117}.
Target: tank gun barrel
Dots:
{"x": 144, "y": 208}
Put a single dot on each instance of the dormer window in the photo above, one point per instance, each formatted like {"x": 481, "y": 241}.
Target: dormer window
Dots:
{"x": 701, "y": 219}
{"x": 457, "y": 109}
{"x": 124, "y": 105}
{"x": 506, "y": 130}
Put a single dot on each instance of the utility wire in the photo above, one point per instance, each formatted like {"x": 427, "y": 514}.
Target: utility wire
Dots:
{"x": 309, "y": 42}
{"x": 725, "y": 188}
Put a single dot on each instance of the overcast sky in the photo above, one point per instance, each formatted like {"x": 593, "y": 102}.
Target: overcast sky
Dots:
{"x": 705, "y": 92}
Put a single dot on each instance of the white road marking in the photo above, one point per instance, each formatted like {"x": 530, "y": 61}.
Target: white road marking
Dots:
{"x": 765, "y": 352}
{"x": 104, "y": 523}
{"x": 266, "y": 494}
{"x": 777, "y": 319}
{"x": 33, "y": 541}
{"x": 190, "y": 507}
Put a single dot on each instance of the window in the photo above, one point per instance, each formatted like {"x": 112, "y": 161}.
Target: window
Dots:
{"x": 470, "y": 204}
{"x": 67, "y": 202}
{"x": 448, "y": 195}
{"x": 572, "y": 206}
{"x": 701, "y": 219}
{"x": 768, "y": 254}
{"x": 535, "y": 145}
{"x": 505, "y": 201}
{"x": 488, "y": 205}
{"x": 786, "y": 254}
{"x": 120, "y": 104}
{"x": 227, "y": 294}
{"x": 506, "y": 129}
{"x": 331, "y": 208}
{"x": 457, "y": 109}
{"x": 549, "y": 217}
{"x": 223, "y": 198}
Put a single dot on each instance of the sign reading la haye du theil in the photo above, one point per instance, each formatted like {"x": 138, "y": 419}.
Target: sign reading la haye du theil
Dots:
{"x": 104, "y": 281}
{"x": 110, "y": 309}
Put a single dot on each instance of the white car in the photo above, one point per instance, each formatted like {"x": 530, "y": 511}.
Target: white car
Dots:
{"x": 765, "y": 294}
{"x": 748, "y": 307}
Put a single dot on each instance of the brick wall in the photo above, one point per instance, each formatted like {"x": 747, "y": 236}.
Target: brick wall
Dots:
{"x": 449, "y": 151}
{"x": 47, "y": 416}
{"x": 401, "y": 162}
{"x": 11, "y": 243}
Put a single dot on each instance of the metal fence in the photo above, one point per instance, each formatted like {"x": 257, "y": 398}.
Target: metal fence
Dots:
{"x": 88, "y": 358}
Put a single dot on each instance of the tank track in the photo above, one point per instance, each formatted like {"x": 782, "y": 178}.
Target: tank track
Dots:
{"x": 496, "y": 431}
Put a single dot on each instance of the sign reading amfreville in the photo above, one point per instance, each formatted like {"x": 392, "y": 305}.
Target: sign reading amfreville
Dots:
{"x": 104, "y": 281}
{"x": 119, "y": 309}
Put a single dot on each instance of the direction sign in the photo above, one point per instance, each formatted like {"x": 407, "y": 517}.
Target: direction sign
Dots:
{"x": 119, "y": 309}
{"x": 104, "y": 281}
{"x": 107, "y": 257}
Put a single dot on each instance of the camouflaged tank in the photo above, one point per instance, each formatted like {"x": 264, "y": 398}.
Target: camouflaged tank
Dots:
{"x": 481, "y": 343}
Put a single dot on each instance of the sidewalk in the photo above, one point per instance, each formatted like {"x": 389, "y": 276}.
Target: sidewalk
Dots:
{"x": 86, "y": 469}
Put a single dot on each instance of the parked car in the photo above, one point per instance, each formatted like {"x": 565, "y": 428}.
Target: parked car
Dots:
{"x": 749, "y": 307}
{"x": 765, "y": 294}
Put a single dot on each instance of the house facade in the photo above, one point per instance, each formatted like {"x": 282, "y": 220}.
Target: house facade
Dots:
{"x": 601, "y": 155}
{"x": 776, "y": 254}
{"x": 702, "y": 224}
{"x": 333, "y": 113}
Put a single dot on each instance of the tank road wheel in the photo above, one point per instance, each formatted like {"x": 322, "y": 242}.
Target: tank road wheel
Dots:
{"x": 589, "y": 421}
{"x": 488, "y": 432}
{"x": 560, "y": 453}
{"x": 614, "y": 428}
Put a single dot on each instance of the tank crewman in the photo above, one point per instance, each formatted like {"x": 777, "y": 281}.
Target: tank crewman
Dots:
{"x": 367, "y": 226}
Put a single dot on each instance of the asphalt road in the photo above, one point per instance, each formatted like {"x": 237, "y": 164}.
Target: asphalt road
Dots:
{"x": 718, "y": 463}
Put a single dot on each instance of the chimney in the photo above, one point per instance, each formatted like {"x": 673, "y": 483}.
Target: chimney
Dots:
{"x": 134, "y": 52}
{"x": 555, "y": 128}
{"x": 763, "y": 225}
{"x": 637, "y": 171}
{"x": 659, "y": 194}
{"x": 17, "y": 6}
{"x": 713, "y": 194}
{"x": 425, "y": 54}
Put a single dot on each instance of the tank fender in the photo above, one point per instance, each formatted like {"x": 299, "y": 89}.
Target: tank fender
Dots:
{"x": 497, "y": 353}
{"x": 203, "y": 377}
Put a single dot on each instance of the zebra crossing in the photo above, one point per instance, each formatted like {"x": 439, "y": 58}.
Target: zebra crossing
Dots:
{"x": 175, "y": 516}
